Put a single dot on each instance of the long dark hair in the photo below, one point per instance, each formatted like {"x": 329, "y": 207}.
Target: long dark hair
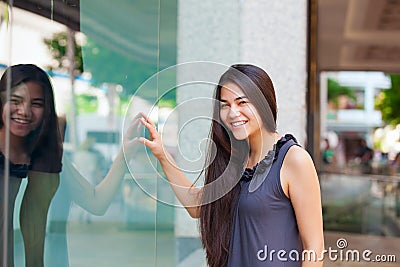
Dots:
{"x": 44, "y": 142}
{"x": 226, "y": 159}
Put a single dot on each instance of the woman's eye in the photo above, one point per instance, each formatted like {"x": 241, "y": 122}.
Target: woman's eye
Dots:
{"x": 224, "y": 105}
{"x": 243, "y": 102}
{"x": 37, "y": 104}
{"x": 15, "y": 101}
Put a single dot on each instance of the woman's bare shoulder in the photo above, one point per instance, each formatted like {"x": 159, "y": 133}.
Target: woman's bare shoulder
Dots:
{"x": 298, "y": 160}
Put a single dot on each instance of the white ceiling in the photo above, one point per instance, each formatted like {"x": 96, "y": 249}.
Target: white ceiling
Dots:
{"x": 359, "y": 35}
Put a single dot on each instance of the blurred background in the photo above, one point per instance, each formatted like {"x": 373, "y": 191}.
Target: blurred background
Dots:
{"x": 336, "y": 69}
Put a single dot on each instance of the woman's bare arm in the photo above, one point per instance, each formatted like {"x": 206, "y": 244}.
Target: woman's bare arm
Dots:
{"x": 300, "y": 183}
{"x": 96, "y": 199}
{"x": 185, "y": 191}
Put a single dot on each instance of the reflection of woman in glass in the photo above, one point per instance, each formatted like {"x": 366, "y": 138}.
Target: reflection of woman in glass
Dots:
{"x": 261, "y": 190}
{"x": 76, "y": 187}
{"x": 30, "y": 143}
{"x": 96, "y": 199}
{"x": 35, "y": 151}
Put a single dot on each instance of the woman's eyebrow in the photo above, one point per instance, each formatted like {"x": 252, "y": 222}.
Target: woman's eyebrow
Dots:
{"x": 21, "y": 97}
{"x": 236, "y": 99}
{"x": 240, "y": 97}
{"x": 16, "y": 96}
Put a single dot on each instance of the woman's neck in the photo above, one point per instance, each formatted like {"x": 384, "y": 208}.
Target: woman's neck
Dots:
{"x": 17, "y": 150}
{"x": 260, "y": 145}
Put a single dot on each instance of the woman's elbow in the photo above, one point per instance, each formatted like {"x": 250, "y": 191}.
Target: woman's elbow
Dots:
{"x": 194, "y": 212}
{"x": 98, "y": 212}
{"x": 95, "y": 208}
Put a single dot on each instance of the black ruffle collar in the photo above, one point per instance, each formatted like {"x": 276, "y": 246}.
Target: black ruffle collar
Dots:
{"x": 270, "y": 158}
{"x": 16, "y": 170}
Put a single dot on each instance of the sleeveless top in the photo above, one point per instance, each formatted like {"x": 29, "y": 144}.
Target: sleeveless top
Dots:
{"x": 21, "y": 170}
{"x": 15, "y": 170}
{"x": 42, "y": 160}
{"x": 265, "y": 231}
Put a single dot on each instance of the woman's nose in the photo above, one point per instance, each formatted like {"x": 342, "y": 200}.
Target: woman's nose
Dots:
{"x": 234, "y": 112}
{"x": 24, "y": 109}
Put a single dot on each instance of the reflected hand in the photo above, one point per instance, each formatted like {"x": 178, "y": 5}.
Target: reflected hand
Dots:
{"x": 154, "y": 143}
{"x": 131, "y": 137}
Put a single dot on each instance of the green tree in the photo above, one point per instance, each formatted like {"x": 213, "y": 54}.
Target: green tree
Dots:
{"x": 108, "y": 66}
{"x": 86, "y": 103}
{"x": 335, "y": 90}
{"x": 57, "y": 46}
{"x": 4, "y": 15}
{"x": 389, "y": 101}
{"x": 105, "y": 65}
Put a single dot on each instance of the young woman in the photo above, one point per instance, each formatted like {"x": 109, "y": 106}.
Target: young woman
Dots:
{"x": 30, "y": 127}
{"x": 260, "y": 205}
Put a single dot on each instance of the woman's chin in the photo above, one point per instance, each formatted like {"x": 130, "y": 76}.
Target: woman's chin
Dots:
{"x": 20, "y": 133}
{"x": 240, "y": 137}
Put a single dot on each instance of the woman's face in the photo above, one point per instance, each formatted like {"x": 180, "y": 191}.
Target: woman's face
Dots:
{"x": 26, "y": 107}
{"x": 238, "y": 114}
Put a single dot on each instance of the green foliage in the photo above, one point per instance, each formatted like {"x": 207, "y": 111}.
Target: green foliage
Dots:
{"x": 335, "y": 90}
{"x": 4, "y": 15}
{"x": 86, "y": 103}
{"x": 168, "y": 99}
{"x": 109, "y": 66}
{"x": 167, "y": 103}
{"x": 57, "y": 46}
{"x": 389, "y": 102}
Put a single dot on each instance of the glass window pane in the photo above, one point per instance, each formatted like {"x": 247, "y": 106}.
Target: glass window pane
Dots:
{"x": 96, "y": 66}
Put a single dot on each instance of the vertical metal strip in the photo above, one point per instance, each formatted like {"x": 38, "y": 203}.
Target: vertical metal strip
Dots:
{"x": 157, "y": 94}
{"x": 6, "y": 212}
{"x": 52, "y": 10}
{"x": 313, "y": 94}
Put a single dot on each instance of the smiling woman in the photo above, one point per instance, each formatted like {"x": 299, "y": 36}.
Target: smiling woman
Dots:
{"x": 261, "y": 188}
{"x": 30, "y": 146}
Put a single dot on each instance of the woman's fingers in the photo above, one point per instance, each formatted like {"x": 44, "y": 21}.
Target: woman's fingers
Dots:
{"x": 146, "y": 118}
{"x": 154, "y": 142}
{"x": 132, "y": 127}
{"x": 148, "y": 143}
{"x": 151, "y": 127}
{"x": 133, "y": 130}
{"x": 144, "y": 141}
{"x": 137, "y": 123}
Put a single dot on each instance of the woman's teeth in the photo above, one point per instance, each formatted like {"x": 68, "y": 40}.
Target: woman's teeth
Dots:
{"x": 22, "y": 121}
{"x": 238, "y": 123}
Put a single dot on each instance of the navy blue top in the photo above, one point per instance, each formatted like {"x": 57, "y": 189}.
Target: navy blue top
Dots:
{"x": 265, "y": 231}
{"x": 16, "y": 170}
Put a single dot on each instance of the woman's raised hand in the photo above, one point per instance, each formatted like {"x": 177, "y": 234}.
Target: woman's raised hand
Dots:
{"x": 154, "y": 143}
